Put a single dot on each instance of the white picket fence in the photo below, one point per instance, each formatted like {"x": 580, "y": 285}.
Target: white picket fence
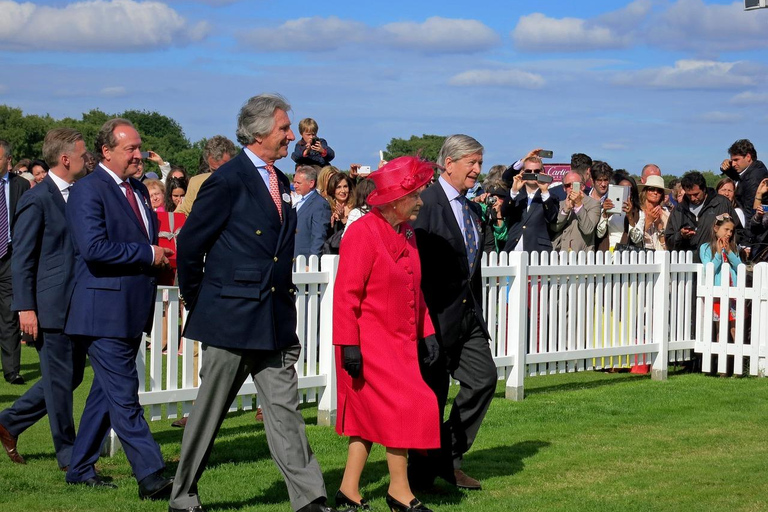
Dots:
{"x": 557, "y": 312}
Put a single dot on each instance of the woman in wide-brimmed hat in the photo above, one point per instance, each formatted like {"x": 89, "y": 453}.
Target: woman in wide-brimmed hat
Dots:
{"x": 379, "y": 319}
{"x": 653, "y": 214}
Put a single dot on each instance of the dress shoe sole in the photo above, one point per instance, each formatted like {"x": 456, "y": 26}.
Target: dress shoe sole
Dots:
{"x": 162, "y": 493}
{"x": 196, "y": 508}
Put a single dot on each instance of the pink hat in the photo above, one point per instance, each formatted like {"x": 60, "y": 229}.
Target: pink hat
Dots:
{"x": 398, "y": 178}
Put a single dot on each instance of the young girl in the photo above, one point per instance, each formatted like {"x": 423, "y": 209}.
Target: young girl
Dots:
{"x": 720, "y": 249}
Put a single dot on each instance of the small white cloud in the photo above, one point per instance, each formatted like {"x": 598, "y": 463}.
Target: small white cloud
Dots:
{"x": 305, "y": 35}
{"x": 749, "y": 98}
{"x": 440, "y": 35}
{"x": 614, "y": 146}
{"x": 538, "y": 32}
{"x": 511, "y": 78}
{"x": 691, "y": 74}
{"x": 113, "y": 92}
{"x": 94, "y": 26}
{"x": 717, "y": 117}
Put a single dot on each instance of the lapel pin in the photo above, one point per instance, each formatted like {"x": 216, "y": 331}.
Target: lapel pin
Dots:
{"x": 286, "y": 197}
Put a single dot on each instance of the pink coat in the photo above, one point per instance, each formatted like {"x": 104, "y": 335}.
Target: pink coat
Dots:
{"x": 378, "y": 304}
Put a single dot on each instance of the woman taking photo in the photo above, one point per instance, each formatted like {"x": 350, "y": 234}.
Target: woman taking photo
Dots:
{"x": 621, "y": 229}
{"x": 379, "y": 319}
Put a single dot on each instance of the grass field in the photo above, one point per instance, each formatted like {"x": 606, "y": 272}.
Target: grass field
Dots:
{"x": 579, "y": 442}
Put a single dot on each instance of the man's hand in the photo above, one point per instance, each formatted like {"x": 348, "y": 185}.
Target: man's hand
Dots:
{"x": 161, "y": 256}
{"x": 28, "y": 322}
{"x": 687, "y": 232}
{"x": 155, "y": 158}
{"x": 725, "y": 165}
{"x": 533, "y": 152}
{"x": 353, "y": 168}
{"x": 517, "y": 182}
{"x": 576, "y": 197}
{"x": 544, "y": 187}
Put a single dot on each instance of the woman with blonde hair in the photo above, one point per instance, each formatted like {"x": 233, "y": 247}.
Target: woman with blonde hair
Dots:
{"x": 322, "y": 179}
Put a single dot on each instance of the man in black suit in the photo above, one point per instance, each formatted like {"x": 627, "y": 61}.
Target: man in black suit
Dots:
{"x": 235, "y": 276}
{"x": 43, "y": 268}
{"x": 11, "y": 188}
{"x": 747, "y": 171}
{"x": 530, "y": 210}
{"x": 449, "y": 236}
{"x": 313, "y": 213}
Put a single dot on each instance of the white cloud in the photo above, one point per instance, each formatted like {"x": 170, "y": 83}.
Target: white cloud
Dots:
{"x": 94, "y": 26}
{"x": 691, "y": 74}
{"x": 614, "y": 146}
{"x": 749, "y": 98}
{"x": 509, "y": 78}
{"x": 317, "y": 34}
{"x": 113, "y": 92}
{"x": 440, "y": 35}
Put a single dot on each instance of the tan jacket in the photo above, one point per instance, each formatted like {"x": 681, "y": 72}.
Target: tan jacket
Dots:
{"x": 195, "y": 182}
{"x": 576, "y": 231}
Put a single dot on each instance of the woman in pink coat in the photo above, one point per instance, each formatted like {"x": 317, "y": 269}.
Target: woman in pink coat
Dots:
{"x": 379, "y": 319}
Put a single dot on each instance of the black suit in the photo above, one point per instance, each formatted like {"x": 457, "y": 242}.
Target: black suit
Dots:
{"x": 10, "y": 337}
{"x": 746, "y": 188}
{"x": 530, "y": 223}
{"x": 43, "y": 268}
{"x": 454, "y": 299}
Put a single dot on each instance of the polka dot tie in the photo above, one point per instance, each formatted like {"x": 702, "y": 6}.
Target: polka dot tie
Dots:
{"x": 274, "y": 190}
{"x": 470, "y": 241}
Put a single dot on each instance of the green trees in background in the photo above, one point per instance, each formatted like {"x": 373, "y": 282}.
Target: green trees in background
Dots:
{"x": 159, "y": 133}
{"x": 428, "y": 146}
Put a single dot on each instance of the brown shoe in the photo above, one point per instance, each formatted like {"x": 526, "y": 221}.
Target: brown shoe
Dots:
{"x": 259, "y": 415}
{"x": 9, "y": 443}
{"x": 180, "y": 423}
{"x": 464, "y": 481}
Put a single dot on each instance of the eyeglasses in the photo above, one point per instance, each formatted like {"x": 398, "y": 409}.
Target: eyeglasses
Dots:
{"x": 568, "y": 185}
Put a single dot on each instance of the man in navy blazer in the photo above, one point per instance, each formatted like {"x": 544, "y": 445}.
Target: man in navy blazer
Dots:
{"x": 115, "y": 236}
{"x": 313, "y": 213}
{"x": 43, "y": 264}
{"x": 530, "y": 210}
{"x": 11, "y": 187}
{"x": 235, "y": 276}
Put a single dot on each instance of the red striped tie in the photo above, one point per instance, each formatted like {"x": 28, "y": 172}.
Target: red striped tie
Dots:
{"x": 274, "y": 190}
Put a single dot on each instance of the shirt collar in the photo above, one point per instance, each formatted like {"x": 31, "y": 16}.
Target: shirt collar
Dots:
{"x": 258, "y": 162}
{"x": 114, "y": 176}
{"x": 60, "y": 183}
{"x": 450, "y": 192}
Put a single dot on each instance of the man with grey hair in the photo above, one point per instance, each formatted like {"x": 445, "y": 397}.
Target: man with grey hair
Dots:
{"x": 235, "y": 255}
{"x": 11, "y": 189}
{"x": 43, "y": 278}
{"x": 217, "y": 151}
{"x": 577, "y": 219}
{"x": 449, "y": 236}
{"x": 313, "y": 213}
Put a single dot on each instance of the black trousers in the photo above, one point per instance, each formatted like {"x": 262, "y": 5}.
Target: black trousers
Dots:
{"x": 468, "y": 360}
{"x": 10, "y": 335}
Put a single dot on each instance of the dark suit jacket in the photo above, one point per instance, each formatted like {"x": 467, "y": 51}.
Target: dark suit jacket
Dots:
{"x": 115, "y": 283}
{"x": 16, "y": 187}
{"x": 313, "y": 220}
{"x": 532, "y": 224}
{"x": 449, "y": 289}
{"x": 235, "y": 262}
{"x": 43, "y": 256}
{"x": 746, "y": 186}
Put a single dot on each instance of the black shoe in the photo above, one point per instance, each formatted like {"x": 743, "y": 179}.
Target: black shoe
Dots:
{"x": 15, "y": 379}
{"x": 155, "y": 487}
{"x": 415, "y": 505}
{"x": 343, "y": 501}
{"x": 317, "y": 506}
{"x": 95, "y": 482}
{"x": 464, "y": 481}
{"x": 196, "y": 508}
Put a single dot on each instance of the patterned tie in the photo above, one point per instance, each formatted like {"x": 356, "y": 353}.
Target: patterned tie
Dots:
{"x": 134, "y": 205}
{"x": 3, "y": 221}
{"x": 469, "y": 233}
{"x": 274, "y": 190}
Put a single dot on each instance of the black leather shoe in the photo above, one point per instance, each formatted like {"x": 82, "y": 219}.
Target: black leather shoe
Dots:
{"x": 343, "y": 501}
{"x": 96, "y": 482}
{"x": 155, "y": 487}
{"x": 16, "y": 379}
{"x": 414, "y": 506}
{"x": 196, "y": 508}
{"x": 317, "y": 506}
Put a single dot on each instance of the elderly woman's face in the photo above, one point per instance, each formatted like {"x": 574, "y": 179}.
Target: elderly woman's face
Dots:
{"x": 408, "y": 207}
{"x": 156, "y": 197}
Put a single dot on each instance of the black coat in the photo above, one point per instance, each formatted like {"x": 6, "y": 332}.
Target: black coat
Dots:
{"x": 532, "y": 224}
{"x": 746, "y": 185}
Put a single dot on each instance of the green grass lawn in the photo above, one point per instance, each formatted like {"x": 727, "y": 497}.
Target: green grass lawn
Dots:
{"x": 578, "y": 442}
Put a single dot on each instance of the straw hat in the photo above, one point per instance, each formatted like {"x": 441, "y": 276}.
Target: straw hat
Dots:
{"x": 654, "y": 182}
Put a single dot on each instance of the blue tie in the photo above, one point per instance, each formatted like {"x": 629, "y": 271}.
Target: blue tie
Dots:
{"x": 3, "y": 221}
{"x": 469, "y": 233}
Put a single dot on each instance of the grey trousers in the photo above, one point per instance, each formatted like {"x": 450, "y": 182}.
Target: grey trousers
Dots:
{"x": 222, "y": 373}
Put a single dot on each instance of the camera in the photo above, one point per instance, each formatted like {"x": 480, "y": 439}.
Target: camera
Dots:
{"x": 491, "y": 200}
{"x": 543, "y": 178}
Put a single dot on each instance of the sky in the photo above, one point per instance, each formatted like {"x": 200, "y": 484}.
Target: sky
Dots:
{"x": 672, "y": 82}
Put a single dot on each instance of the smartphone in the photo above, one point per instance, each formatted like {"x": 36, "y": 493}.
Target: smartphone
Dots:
{"x": 546, "y": 153}
{"x": 145, "y": 154}
{"x": 543, "y": 178}
{"x": 315, "y": 140}
{"x": 364, "y": 170}
{"x": 529, "y": 176}
{"x": 576, "y": 186}
{"x": 765, "y": 208}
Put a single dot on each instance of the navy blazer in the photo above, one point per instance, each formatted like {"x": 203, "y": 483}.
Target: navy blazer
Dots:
{"x": 532, "y": 224}
{"x": 313, "y": 220}
{"x": 449, "y": 288}
{"x": 115, "y": 283}
{"x": 43, "y": 256}
{"x": 235, "y": 262}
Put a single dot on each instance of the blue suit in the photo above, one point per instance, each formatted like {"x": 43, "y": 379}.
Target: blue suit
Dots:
{"x": 313, "y": 220}
{"x": 530, "y": 222}
{"x": 42, "y": 266}
{"x": 111, "y": 307}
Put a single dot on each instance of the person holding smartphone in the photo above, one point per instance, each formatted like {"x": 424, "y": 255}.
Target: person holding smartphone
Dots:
{"x": 311, "y": 149}
{"x": 578, "y": 217}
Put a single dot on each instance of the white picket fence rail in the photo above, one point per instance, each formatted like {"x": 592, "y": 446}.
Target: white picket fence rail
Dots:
{"x": 550, "y": 312}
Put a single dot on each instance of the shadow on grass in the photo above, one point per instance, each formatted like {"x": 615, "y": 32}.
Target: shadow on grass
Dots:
{"x": 599, "y": 380}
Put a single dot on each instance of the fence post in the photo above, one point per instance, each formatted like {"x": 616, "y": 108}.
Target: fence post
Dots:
{"x": 661, "y": 316}
{"x": 326, "y": 402}
{"x": 517, "y": 324}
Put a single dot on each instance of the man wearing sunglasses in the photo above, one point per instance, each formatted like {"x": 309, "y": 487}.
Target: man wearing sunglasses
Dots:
{"x": 577, "y": 218}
